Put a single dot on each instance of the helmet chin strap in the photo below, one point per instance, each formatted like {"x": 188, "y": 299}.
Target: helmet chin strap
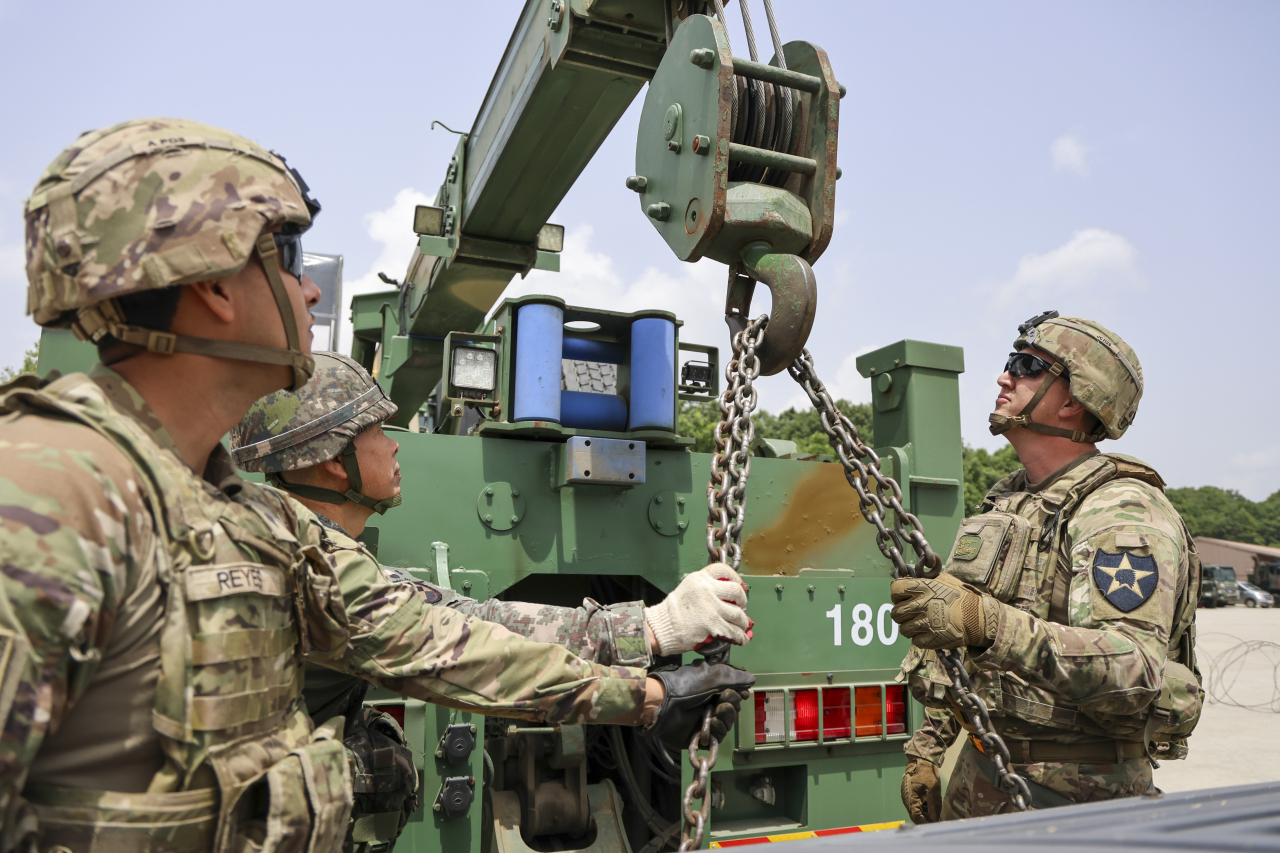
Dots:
{"x": 95, "y": 322}
{"x": 333, "y": 496}
{"x": 1000, "y": 424}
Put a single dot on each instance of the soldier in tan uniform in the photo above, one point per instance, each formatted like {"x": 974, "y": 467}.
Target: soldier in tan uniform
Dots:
{"x": 158, "y": 610}
{"x": 325, "y": 445}
{"x": 1072, "y": 595}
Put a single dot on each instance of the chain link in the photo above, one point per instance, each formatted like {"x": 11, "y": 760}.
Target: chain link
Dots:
{"x": 731, "y": 462}
{"x": 730, "y": 468}
{"x": 695, "y": 822}
{"x": 861, "y": 466}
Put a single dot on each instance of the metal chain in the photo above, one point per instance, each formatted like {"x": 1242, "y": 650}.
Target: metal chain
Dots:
{"x": 731, "y": 462}
{"x": 695, "y": 822}
{"x": 872, "y": 501}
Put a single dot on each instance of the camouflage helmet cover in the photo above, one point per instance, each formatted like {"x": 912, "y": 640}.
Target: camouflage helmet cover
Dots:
{"x": 148, "y": 204}
{"x": 289, "y": 430}
{"x": 1104, "y": 373}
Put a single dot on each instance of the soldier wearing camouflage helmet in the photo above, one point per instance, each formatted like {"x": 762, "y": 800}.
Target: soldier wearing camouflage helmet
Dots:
{"x": 325, "y": 445}
{"x": 158, "y": 610}
{"x": 1072, "y": 595}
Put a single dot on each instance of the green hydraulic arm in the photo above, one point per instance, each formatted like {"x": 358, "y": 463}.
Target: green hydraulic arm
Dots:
{"x": 570, "y": 70}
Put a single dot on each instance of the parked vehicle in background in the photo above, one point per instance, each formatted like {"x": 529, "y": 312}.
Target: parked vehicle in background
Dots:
{"x": 1266, "y": 576}
{"x": 1251, "y": 596}
{"x": 1218, "y": 586}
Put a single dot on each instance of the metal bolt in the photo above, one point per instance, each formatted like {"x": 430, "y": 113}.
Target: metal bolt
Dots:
{"x": 682, "y": 525}
{"x": 701, "y": 144}
{"x": 661, "y": 211}
{"x": 840, "y": 589}
{"x": 658, "y": 525}
{"x": 515, "y": 493}
{"x": 466, "y": 585}
{"x": 473, "y": 729}
{"x": 514, "y": 519}
{"x": 658, "y": 499}
{"x": 703, "y": 57}
{"x": 680, "y": 501}
{"x": 839, "y": 172}
{"x": 637, "y": 183}
{"x": 436, "y": 807}
{"x": 488, "y": 518}
{"x": 844, "y": 90}
{"x": 489, "y": 492}
{"x": 810, "y": 587}
{"x": 777, "y": 587}
{"x": 831, "y": 676}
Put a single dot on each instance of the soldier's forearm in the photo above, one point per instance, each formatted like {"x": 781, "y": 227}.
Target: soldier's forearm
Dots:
{"x": 614, "y": 635}
{"x": 935, "y": 735}
{"x": 1116, "y": 669}
{"x": 443, "y": 656}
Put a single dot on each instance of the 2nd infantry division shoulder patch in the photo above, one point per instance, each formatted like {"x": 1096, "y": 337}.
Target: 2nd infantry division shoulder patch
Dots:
{"x": 1125, "y": 580}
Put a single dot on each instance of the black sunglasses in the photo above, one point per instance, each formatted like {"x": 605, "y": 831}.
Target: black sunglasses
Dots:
{"x": 290, "y": 247}
{"x": 1025, "y": 364}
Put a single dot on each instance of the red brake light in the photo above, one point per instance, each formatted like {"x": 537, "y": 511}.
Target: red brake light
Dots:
{"x": 835, "y": 713}
{"x": 866, "y": 711}
{"x": 896, "y": 709}
{"x": 804, "y": 715}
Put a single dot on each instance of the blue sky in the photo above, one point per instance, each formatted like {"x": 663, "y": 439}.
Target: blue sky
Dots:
{"x": 1116, "y": 160}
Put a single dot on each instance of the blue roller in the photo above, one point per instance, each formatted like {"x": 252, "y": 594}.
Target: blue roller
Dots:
{"x": 539, "y": 341}
{"x": 653, "y": 374}
{"x": 583, "y": 410}
{"x": 584, "y": 349}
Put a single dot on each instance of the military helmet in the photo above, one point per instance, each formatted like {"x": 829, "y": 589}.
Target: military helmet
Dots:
{"x": 1102, "y": 370}
{"x": 290, "y": 430}
{"x": 157, "y": 203}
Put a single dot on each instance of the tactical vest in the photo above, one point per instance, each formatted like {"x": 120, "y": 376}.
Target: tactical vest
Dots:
{"x": 245, "y": 768}
{"x": 1018, "y": 550}
{"x": 384, "y": 777}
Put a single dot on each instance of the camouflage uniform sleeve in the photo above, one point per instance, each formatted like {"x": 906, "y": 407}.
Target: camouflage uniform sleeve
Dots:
{"x": 75, "y": 535}
{"x": 934, "y": 737}
{"x": 1129, "y": 570}
{"x": 398, "y": 639}
{"x": 608, "y": 635}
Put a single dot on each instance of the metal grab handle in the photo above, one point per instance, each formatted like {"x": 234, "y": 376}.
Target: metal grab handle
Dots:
{"x": 791, "y": 281}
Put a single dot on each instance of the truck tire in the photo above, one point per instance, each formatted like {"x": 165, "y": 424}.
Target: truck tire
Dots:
{"x": 590, "y": 376}
{"x": 1249, "y": 602}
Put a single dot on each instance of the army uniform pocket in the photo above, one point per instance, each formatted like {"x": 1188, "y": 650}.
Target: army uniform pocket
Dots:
{"x": 989, "y": 552}
{"x": 300, "y": 804}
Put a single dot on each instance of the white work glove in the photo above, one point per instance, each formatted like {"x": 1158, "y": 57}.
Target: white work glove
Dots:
{"x": 706, "y": 605}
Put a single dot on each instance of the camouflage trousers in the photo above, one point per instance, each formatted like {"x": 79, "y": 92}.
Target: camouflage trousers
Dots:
{"x": 972, "y": 793}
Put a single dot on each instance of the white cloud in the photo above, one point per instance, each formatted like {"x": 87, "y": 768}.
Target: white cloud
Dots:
{"x": 1092, "y": 258}
{"x": 393, "y": 228}
{"x": 1253, "y": 473}
{"x": 1070, "y": 154}
{"x": 588, "y": 278}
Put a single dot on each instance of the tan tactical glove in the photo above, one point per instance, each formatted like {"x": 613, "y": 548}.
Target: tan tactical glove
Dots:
{"x": 706, "y": 605}
{"x": 944, "y": 612}
{"x": 922, "y": 791}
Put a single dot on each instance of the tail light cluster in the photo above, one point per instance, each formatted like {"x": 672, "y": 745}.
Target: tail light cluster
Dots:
{"x": 824, "y": 714}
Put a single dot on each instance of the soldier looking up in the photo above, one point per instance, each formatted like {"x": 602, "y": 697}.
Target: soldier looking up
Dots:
{"x": 157, "y": 609}
{"x": 325, "y": 445}
{"x": 1072, "y": 596}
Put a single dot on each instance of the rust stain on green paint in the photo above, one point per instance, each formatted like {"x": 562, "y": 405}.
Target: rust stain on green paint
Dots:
{"x": 820, "y": 510}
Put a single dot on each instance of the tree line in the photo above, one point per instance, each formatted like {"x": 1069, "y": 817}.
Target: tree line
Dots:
{"x": 1208, "y": 510}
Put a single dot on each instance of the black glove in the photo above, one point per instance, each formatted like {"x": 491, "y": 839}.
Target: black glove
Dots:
{"x": 690, "y": 690}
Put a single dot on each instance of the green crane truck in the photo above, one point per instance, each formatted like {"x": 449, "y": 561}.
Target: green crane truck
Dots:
{"x": 518, "y": 488}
